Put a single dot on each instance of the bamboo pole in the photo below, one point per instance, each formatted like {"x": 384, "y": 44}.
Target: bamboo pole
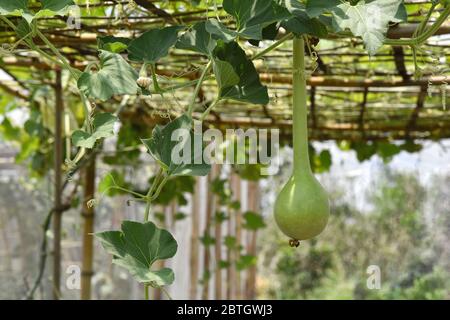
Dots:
{"x": 88, "y": 214}
{"x": 207, "y": 232}
{"x": 218, "y": 276}
{"x": 57, "y": 217}
{"x": 194, "y": 254}
{"x": 253, "y": 205}
{"x": 230, "y": 275}
{"x": 239, "y": 238}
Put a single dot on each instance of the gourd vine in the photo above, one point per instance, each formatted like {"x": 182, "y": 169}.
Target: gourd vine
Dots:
{"x": 128, "y": 67}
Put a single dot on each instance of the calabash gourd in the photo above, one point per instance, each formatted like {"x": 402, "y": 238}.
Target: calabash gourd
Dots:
{"x": 302, "y": 207}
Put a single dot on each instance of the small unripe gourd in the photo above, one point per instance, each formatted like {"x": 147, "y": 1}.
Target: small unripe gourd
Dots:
{"x": 302, "y": 207}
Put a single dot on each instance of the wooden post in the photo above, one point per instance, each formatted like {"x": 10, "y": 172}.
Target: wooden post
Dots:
{"x": 57, "y": 217}
{"x": 194, "y": 256}
{"x": 88, "y": 214}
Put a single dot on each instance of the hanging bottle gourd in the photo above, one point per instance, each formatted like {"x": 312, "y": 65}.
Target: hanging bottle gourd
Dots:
{"x": 302, "y": 207}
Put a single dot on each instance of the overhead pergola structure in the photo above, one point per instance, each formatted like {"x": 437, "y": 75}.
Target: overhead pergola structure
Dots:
{"x": 352, "y": 96}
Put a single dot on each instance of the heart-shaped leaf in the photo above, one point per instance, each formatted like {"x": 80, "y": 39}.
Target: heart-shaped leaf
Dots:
{"x": 252, "y": 16}
{"x": 137, "y": 246}
{"x": 15, "y": 8}
{"x": 229, "y": 56}
{"x": 49, "y": 8}
{"x": 154, "y": 44}
{"x": 301, "y": 23}
{"x": 52, "y": 8}
{"x": 103, "y": 128}
{"x": 368, "y": 20}
{"x": 197, "y": 39}
{"x": 174, "y": 147}
{"x": 115, "y": 77}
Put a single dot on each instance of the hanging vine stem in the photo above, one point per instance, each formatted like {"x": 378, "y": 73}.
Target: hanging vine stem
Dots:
{"x": 275, "y": 45}
{"x": 209, "y": 109}
{"x": 156, "y": 86}
{"x": 152, "y": 194}
{"x": 31, "y": 44}
{"x": 198, "y": 87}
{"x": 425, "y": 35}
{"x": 75, "y": 73}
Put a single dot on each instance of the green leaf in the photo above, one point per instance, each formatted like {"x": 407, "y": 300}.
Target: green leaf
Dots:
{"x": 8, "y": 131}
{"x": 197, "y": 39}
{"x": 301, "y": 23}
{"x": 223, "y": 264}
{"x": 251, "y": 172}
{"x": 52, "y": 8}
{"x": 220, "y": 31}
{"x": 364, "y": 150}
{"x": 207, "y": 240}
{"x": 113, "y": 44}
{"x": 137, "y": 246}
{"x": 315, "y": 8}
{"x": 56, "y": 5}
{"x": 49, "y": 8}
{"x": 252, "y": 16}
{"x": 154, "y": 44}
{"x": 253, "y": 221}
{"x": 268, "y": 33}
{"x": 13, "y": 7}
{"x": 103, "y": 128}
{"x": 163, "y": 142}
{"x": 249, "y": 87}
{"x": 220, "y": 217}
{"x": 235, "y": 205}
{"x": 180, "y": 216}
{"x": 115, "y": 77}
{"x": 225, "y": 74}
{"x": 230, "y": 242}
{"x": 205, "y": 277}
{"x": 322, "y": 161}
{"x": 245, "y": 262}
{"x": 368, "y": 20}
{"x": 387, "y": 150}
{"x": 113, "y": 178}
{"x": 411, "y": 147}
{"x": 402, "y": 14}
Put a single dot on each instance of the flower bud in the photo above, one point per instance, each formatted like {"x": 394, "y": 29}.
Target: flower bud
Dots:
{"x": 144, "y": 82}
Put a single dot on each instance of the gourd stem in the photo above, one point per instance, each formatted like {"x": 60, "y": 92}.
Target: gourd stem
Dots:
{"x": 300, "y": 117}
{"x": 149, "y": 195}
